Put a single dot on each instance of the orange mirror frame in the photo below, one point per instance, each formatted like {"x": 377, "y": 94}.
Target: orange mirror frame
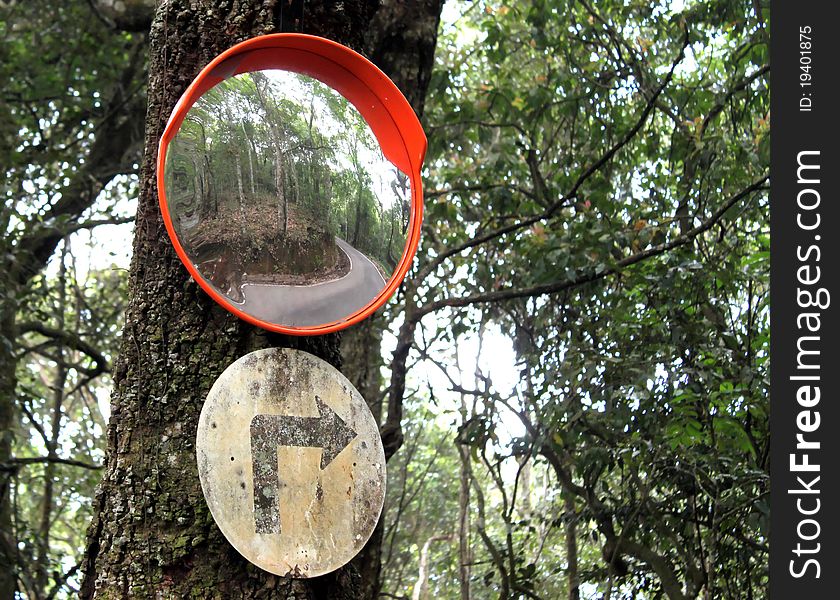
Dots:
{"x": 373, "y": 94}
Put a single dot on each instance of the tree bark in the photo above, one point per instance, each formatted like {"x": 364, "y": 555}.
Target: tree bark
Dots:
{"x": 152, "y": 534}
{"x": 8, "y": 383}
{"x": 572, "y": 576}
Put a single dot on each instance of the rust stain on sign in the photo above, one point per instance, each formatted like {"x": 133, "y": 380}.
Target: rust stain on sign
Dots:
{"x": 291, "y": 462}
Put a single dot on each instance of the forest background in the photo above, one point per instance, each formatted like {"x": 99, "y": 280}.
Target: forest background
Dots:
{"x": 573, "y": 380}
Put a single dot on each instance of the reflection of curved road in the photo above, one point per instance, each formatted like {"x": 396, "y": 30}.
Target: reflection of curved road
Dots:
{"x": 320, "y": 303}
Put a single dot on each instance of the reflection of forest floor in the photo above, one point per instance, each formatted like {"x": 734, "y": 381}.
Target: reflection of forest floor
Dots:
{"x": 249, "y": 245}
{"x": 254, "y": 227}
{"x": 340, "y": 269}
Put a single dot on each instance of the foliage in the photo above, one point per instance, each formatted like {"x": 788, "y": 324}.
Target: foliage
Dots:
{"x": 73, "y": 102}
{"x": 68, "y": 83}
{"x": 601, "y": 199}
{"x": 69, "y": 336}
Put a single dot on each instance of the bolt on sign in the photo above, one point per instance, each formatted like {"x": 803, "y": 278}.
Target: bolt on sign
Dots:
{"x": 291, "y": 462}
{"x": 289, "y": 183}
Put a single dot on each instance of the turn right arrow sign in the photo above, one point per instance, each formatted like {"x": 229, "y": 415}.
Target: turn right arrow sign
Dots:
{"x": 291, "y": 462}
{"x": 327, "y": 431}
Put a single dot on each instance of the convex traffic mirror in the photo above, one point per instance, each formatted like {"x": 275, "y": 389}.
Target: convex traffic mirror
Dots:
{"x": 289, "y": 183}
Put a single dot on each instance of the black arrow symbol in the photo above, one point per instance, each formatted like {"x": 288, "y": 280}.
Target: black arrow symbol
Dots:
{"x": 327, "y": 431}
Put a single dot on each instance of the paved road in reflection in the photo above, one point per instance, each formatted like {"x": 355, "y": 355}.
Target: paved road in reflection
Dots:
{"x": 320, "y": 303}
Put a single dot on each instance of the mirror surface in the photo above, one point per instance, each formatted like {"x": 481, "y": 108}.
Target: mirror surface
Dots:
{"x": 283, "y": 201}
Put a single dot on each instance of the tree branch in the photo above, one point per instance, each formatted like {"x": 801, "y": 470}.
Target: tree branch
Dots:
{"x": 128, "y": 15}
{"x": 13, "y": 465}
{"x": 120, "y": 130}
{"x": 559, "y": 286}
{"x": 97, "y": 222}
{"x": 72, "y": 340}
{"x": 742, "y": 85}
{"x": 587, "y": 173}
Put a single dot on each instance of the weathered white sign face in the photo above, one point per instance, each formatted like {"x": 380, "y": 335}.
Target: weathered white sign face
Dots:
{"x": 291, "y": 462}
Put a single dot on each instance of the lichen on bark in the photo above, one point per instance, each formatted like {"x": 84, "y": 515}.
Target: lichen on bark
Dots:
{"x": 152, "y": 534}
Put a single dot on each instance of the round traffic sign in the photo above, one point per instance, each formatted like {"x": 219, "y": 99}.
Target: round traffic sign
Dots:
{"x": 291, "y": 462}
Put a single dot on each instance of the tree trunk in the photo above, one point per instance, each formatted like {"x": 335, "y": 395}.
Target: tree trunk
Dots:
{"x": 572, "y": 576}
{"x": 8, "y": 383}
{"x": 251, "y": 151}
{"x": 198, "y": 185}
{"x": 240, "y": 187}
{"x": 464, "y": 548}
{"x": 242, "y": 214}
{"x": 421, "y": 587}
{"x": 152, "y": 534}
{"x": 295, "y": 185}
{"x": 279, "y": 184}
{"x": 277, "y": 143}
{"x": 58, "y": 383}
{"x": 358, "y": 223}
{"x": 388, "y": 251}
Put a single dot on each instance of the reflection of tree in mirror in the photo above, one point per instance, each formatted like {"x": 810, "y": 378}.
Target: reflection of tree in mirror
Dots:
{"x": 272, "y": 176}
